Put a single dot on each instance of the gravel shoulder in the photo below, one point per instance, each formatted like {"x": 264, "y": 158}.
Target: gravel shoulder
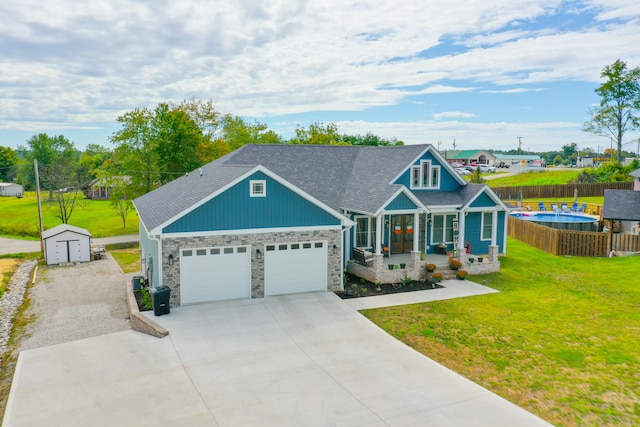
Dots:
{"x": 76, "y": 302}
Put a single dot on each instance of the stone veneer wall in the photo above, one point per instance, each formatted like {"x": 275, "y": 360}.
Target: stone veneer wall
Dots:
{"x": 171, "y": 273}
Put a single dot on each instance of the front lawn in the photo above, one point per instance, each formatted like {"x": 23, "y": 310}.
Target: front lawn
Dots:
{"x": 560, "y": 339}
{"x": 20, "y": 217}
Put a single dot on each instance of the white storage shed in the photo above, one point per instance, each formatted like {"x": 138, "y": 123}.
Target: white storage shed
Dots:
{"x": 9, "y": 189}
{"x": 66, "y": 243}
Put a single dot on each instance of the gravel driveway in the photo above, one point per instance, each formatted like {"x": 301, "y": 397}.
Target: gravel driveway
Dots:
{"x": 75, "y": 302}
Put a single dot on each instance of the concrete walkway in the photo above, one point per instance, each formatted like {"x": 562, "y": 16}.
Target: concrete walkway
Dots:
{"x": 451, "y": 289}
{"x": 304, "y": 359}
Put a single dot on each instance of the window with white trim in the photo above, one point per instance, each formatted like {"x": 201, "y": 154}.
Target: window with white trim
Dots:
{"x": 425, "y": 176}
{"x": 487, "y": 225}
{"x": 442, "y": 228}
{"x": 258, "y": 188}
{"x": 365, "y": 232}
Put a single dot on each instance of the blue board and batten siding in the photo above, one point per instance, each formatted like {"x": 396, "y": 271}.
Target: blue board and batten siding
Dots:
{"x": 447, "y": 182}
{"x": 473, "y": 233}
{"x": 401, "y": 202}
{"x": 235, "y": 209}
{"x": 483, "y": 201}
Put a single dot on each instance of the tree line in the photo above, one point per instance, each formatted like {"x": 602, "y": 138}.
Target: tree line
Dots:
{"x": 151, "y": 148}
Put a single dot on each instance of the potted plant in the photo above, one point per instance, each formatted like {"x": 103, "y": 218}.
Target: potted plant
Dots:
{"x": 402, "y": 266}
{"x": 391, "y": 266}
{"x": 455, "y": 263}
{"x": 431, "y": 267}
{"x": 437, "y": 277}
{"x": 462, "y": 274}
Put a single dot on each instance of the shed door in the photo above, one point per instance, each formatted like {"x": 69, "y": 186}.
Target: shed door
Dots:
{"x": 75, "y": 251}
{"x": 295, "y": 267}
{"x": 210, "y": 274}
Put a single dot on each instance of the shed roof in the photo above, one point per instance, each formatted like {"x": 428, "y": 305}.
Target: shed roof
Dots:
{"x": 62, "y": 228}
{"x": 621, "y": 204}
{"x": 635, "y": 173}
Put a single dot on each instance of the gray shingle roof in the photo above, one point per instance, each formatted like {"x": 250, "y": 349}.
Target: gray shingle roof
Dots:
{"x": 621, "y": 204}
{"x": 635, "y": 173}
{"x": 355, "y": 178}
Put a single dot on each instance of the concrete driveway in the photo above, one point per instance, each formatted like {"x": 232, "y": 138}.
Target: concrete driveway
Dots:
{"x": 298, "y": 360}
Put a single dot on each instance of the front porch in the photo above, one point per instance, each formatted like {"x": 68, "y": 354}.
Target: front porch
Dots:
{"x": 392, "y": 269}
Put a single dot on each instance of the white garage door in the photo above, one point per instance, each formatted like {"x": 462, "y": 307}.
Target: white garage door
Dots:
{"x": 295, "y": 267}
{"x": 210, "y": 274}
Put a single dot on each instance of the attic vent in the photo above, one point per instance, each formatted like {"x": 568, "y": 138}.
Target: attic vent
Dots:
{"x": 258, "y": 188}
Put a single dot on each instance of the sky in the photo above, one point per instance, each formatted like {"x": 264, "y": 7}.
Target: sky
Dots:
{"x": 462, "y": 74}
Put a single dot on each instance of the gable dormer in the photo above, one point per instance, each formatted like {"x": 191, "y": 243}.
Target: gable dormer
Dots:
{"x": 430, "y": 171}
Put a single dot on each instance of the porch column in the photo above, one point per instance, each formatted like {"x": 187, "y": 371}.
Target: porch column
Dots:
{"x": 416, "y": 232}
{"x": 378, "y": 248}
{"x": 461, "y": 250}
{"x": 494, "y": 228}
{"x": 415, "y": 252}
{"x": 378, "y": 255}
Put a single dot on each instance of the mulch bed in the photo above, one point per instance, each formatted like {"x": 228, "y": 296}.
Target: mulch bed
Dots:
{"x": 356, "y": 287}
{"x": 139, "y": 299}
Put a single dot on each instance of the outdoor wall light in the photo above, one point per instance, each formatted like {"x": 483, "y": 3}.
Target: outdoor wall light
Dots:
{"x": 170, "y": 259}
{"x": 335, "y": 248}
{"x": 258, "y": 253}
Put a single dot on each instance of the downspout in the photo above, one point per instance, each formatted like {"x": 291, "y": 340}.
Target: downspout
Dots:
{"x": 159, "y": 259}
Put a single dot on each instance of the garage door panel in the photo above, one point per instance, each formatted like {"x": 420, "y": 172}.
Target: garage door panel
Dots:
{"x": 295, "y": 267}
{"x": 211, "y": 274}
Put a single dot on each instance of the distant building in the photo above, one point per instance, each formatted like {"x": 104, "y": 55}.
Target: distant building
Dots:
{"x": 100, "y": 188}
{"x": 508, "y": 160}
{"x": 9, "y": 189}
{"x": 466, "y": 157}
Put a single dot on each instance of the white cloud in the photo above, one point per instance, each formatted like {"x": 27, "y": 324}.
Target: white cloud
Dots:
{"x": 73, "y": 63}
{"x": 452, "y": 114}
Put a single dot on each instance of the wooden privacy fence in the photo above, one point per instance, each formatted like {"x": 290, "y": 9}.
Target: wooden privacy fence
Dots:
{"x": 570, "y": 242}
{"x": 564, "y": 190}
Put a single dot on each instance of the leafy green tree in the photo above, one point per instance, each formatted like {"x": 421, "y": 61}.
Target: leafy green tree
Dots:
{"x": 236, "y": 132}
{"x": 8, "y": 162}
{"x": 178, "y": 143}
{"x": 156, "y": 146}
{"x": 318, "y": 134}
{"x": 569, "y": 150}
{"x": 91, "y": 160}
{"x": 54, "y": 154}
{"x": 120, "y": 198}
{"x": 135, "y": 153}
{"x": 370, "y": 139}
{"x": 619, "y": 108}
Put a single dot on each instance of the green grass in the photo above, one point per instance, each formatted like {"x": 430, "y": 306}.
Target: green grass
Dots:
{"x": 549, "y": 177}
{"x": 128, "y": 259}
{"x": 560, "y": 339}
{"x": 20, "y": 217}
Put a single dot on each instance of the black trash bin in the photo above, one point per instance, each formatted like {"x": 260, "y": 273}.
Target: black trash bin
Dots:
{"x": 137, "y": 282}
{"x": 160, "y": 297}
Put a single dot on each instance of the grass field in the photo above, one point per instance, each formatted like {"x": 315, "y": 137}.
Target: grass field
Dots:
{"x": 549, "y": 177}
{"x": 20, "y": 217}
{"x": 560, "y": 339}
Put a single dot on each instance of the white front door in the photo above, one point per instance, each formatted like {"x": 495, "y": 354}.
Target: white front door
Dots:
{"x": 295, "y": 267}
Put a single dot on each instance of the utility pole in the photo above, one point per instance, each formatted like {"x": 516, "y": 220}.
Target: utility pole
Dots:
{"x": 454, "y": 144}
{"x": 519, "y": 144}
{"x": 35, "y": 166}
{"x": 439, "y": 142}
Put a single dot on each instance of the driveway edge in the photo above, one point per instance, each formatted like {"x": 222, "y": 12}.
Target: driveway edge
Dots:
{"x": 139, "y": 322}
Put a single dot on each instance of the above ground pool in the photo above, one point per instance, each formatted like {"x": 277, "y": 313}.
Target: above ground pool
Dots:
{"x": 561, "y": 221}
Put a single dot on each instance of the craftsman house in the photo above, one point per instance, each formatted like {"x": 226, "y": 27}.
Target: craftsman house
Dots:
{"x": 275, "y": 219}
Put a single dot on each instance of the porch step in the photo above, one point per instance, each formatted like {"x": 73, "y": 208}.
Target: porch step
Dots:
{"x": 448, "y": 273}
